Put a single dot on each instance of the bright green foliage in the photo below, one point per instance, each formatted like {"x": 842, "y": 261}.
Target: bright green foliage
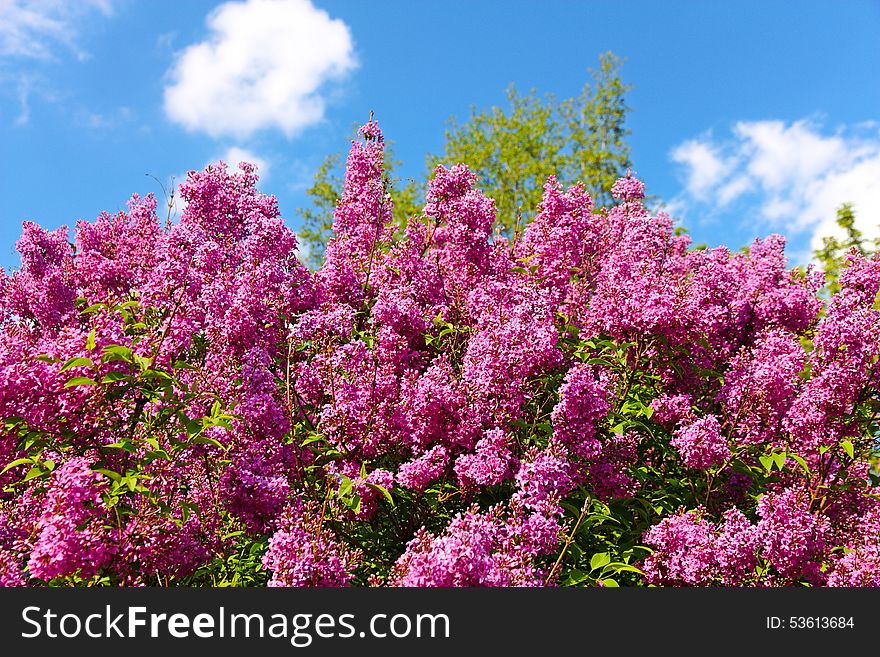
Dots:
{"x": 512, "y": 151}
{"x": 317, "y": 221}
{"x": 830, "y": 256}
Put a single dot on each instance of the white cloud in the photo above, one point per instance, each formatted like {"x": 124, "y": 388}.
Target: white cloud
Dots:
{"x": 236, "y": 155}
{"x": 34, "y": 32}
{"x": 33, "y": 29}
{"x": 733, "y": 188}
{"x": 705, "y": 166}
{"x": 264, "y": 65}
{"x": 779, "y": 155}
{"x": 790, "y": 177}
{"x": 23, "y": 85}
{"x": 303, "y": 249}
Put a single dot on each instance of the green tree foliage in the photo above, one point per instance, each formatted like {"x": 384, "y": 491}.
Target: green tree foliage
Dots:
{"x": 576, "y": 139}
{"x": 317, "y": 220}
{"x": 831, "y": 256}
{"x": 512, "y": 151}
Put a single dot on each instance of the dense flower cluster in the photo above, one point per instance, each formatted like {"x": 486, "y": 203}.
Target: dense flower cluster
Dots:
{"x": 701, "y": 444}
{"x": 70, "y": 535}
{"x": 303, "y": 553}
{"x": 592, "y": 401}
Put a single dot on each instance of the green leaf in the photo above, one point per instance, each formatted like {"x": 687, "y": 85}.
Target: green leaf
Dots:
{"x": 34, "y": 472}
{"x": 112, "y": 377}
{"x": 351, "y": 502}
{"x": 610, "y": 583}
{"x": 80, "y": 381}
{"x": 156, "y": 374}
{"x": 381, "y": 489}
{"x": 16, "y": 463}
{"x": 779, "y": 459}
{"x": 599, "y": 560}
{"x": 192, "y": 427}
{"x": 205, "y": 440}
{"x": 33, "y": 439}
{"x": 801, "y": 462}
{"x": 90, "y": 341}
{"x": 110, "y": 474}
{"x": 848, "y": 448}
{"x": 77, "y": 362}
{"x": 117, "y": 352}
{"x": 124, "y": 445}
{"x": 315, "y": 438}
{"x": 574, "y": 577}
{"x": 626, "y": 568}
{"x": 131, "y": 481}
{"x": 91, "y": 309}
{"x": 767, "y": 462}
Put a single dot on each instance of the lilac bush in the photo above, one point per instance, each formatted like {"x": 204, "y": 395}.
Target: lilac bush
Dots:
{"x": 591, "y": 402}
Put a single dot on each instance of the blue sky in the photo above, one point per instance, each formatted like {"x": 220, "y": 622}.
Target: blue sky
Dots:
{"x": 748, "y": 117}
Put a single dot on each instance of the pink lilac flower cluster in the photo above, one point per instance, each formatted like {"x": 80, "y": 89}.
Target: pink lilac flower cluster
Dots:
{"x": 438, "y": 397}
{"x": 584, "y": 400}
{"x": 690, "y": 550}
{"x": 787, "y": 537}
{"x": 478, "y": 549}
{"x": 497, "y": 547}
{"x": 701, "y": 443}
{"x": 305, "y": 553}
{"x": 70, "y": 533}
{"x": 489, "y": 463}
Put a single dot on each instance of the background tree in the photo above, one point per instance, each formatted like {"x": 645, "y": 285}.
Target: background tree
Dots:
{"x": 576, "y": 139}
{"x": 831, "y": 256}
{"x": 317, "y": 220}
{"x": 512, "y": 151}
